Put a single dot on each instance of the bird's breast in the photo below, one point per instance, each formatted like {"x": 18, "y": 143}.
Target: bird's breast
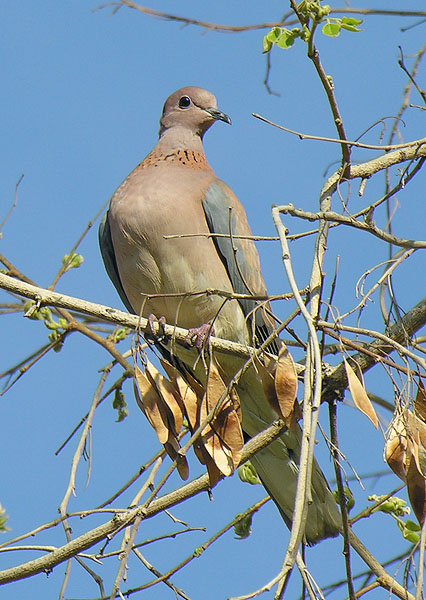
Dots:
{"x": 167, "y": 261}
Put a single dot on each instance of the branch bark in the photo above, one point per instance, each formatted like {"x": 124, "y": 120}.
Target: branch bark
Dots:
{"x": 46, "y": 297}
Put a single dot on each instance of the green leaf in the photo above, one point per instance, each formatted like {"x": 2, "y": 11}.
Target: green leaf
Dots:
{"x": 412, "y": 526}
{"x": 274, "y": 34}
{"x": 410, "y": 536}
{"x": 303, "y": 7}
{"x": 120, "y": 334}
{"x": 271, "y": 38}
{"x": 351, "y": 21}
{"x": 242, "y": 529}
{"x": 53, "y": 337}
{"x": 323, "y": 11}
{"x": 331, "y": 29}
{"x": 3, "y": 520}
{"x": 51, "y": 324}
{"x": 120, "y": 405}
{"x": 286, "y": 39}
{"x": 408, "y": 530}
{"x": 351, "y": 28}
{"x": 247, "y": 473}
{"x": 267, "y": 45}
{"x": 350, "y": 500}
{"x": 46, "y": 313}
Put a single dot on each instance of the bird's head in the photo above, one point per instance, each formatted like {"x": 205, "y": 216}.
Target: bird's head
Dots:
{"x": 193, "y": 109}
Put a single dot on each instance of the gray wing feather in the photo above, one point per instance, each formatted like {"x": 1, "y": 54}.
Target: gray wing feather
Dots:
{"x": 108, "y": 255}
{"x": 222, "y": 219}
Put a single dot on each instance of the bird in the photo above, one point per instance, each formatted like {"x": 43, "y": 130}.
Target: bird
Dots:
{"x": 159, "y": 268}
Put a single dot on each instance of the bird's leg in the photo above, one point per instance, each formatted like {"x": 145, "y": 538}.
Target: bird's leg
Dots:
{"x": 199, "y": 336}
{"x": 156, "y": 326}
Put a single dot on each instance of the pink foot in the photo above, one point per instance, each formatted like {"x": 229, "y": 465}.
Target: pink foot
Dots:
{"x": 198, "y": 336}
{"x": 156, "y": 326}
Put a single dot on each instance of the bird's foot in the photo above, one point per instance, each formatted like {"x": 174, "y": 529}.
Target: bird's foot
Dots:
{"x": 198, "y": 336}
{"x": 156, "y": 326}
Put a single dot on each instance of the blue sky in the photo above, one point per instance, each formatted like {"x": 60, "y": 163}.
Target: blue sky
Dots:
{"x": 82, "y": 93}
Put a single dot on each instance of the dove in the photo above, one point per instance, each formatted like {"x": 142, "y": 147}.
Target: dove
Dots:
{"x": 159, "y": 267}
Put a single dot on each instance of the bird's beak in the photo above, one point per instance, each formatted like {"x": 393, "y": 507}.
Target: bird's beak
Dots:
{"x": 218, "y": 115}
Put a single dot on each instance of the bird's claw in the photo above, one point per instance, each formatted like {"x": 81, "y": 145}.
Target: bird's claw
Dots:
{"x": 198, "y": 336}
{"x": 156, "y": 326}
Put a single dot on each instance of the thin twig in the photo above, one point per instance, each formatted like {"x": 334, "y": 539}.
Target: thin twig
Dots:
{"x": 71, "y": 482}
{"x": 14, "y": 203}
{"x": 157, "y": 573}
{"x": 130, "y": 532}
{"x": 123, "y": 518}
{"x": 220, "y": 28}
{"x": 306, "y": 136}
{"x": 311, "y": 402}
{"x": 420, "y": 576}
{"x": 368, "y": 225}
{"x": 341, "y": 494}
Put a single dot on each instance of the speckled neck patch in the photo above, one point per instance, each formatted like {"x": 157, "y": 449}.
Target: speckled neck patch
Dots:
{"x": 183, "y": 157}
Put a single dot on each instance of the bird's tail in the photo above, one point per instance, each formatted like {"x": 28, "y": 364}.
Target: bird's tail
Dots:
{"x": 278, "y": 467}
{"x": 278, "y": 470}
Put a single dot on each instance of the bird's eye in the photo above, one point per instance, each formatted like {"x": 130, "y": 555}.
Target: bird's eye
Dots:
{"x": 184, "y": 102}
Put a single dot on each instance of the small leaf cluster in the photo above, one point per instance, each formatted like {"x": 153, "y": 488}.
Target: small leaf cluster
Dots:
{"x": 312, "y": 14}
{"x": 119, "y": 334}
{"x": 393, "y": 505}
{"x": 247, "y": 473}
{"x": 349, "y": 498}
{"x": 72, "y": 261}
{"x": 281, "y": 37}
{"x": 120, "y": 405}
{"x": 333, "y": 26}
{"x": 397, "y": 508}
{"x": 57, "y": 328}
{"x": 410, "y": 530}
{"x": 3, "y": 520}
{"x": 242, "y": 528}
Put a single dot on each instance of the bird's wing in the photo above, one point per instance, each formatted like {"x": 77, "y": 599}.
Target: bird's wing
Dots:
{"x": 226, "y": 217}
{"x": 108, "y": 255}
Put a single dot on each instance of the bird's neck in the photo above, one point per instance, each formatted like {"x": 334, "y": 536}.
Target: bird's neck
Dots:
{"x": 177, "y": 138}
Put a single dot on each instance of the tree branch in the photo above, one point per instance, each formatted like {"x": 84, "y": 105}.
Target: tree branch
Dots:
{"x": 45, "y": 297}
{"x": 92, "y": 537}
{"x": 369, "y": 168}
{"x": 306, "y": 136}
{"x": 368, "y": 225}
{"x": 242, "y": 28}
{"x": 399, "y": 332}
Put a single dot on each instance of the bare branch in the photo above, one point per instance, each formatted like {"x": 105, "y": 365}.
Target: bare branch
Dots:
{"x": 48, "y": 298}
{"x": 402, "y": 330}
{"x": 367, "y": 169}
{"x": 328, "y": 86}
{"x": 187, "y": 20}
{"x": 123, "y": 519}
{"x": 368, "y": 225}
{"x": 14, "y": 203}
{"x": 306, "y": 136}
